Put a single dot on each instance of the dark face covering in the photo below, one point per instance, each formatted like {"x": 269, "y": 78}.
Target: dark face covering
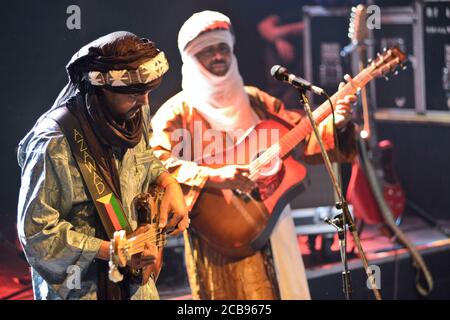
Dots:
{"x": 124, "y": 134}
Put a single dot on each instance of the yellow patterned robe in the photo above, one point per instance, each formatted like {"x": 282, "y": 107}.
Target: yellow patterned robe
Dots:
{"x": 211, "y": 275}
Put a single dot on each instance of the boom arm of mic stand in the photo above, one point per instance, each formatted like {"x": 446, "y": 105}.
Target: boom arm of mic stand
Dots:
{"x": 347, "y": 218}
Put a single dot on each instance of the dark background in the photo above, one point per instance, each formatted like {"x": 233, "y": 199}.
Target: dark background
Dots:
{"x": 36, "y": 45}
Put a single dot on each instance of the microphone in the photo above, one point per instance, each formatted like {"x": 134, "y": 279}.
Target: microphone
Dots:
{"x": 282, "y": 74}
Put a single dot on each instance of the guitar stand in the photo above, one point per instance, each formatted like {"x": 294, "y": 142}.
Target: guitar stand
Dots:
{"x": 344, "y": 220}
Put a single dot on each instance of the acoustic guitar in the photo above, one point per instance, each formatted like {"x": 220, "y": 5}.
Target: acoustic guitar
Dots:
{"x": 237, "y": 224}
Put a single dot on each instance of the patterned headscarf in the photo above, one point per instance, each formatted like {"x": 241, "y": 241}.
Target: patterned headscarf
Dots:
{"x": 119, "y": 61}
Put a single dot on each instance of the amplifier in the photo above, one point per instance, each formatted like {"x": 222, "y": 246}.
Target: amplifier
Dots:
{"x": 325, "y": 35}
{"x": 406, "y": 91}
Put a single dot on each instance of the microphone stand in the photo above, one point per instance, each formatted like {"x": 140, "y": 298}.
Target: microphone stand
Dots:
{"x": 343, "y": 220}
{"x": 338, "y": 223}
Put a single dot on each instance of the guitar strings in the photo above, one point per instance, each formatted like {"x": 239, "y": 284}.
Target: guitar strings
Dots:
{"x": 288, "y": 141}
{"x": 138, "y": 243}
{"x": 141, "y": 248}
{"x": 145, "y": 237}
{"x": 274, "y": 150}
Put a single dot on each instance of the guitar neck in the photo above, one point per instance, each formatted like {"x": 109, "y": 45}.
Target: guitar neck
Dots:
{"x": 384, "y": 63}
{"x": 368, "y": 114}
{"x": 303, "y": 129}
{"x": 365, "y": 106}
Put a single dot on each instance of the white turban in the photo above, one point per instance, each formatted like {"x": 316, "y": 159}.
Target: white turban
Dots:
{"x": 222, "y": 100}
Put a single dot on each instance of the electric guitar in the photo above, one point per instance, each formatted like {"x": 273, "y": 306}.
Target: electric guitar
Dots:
{"x": 122, "y": 248}
{"x": 237, "y": 224}
{"x": 374, "y": 189}
{"x": 359, "y": 193}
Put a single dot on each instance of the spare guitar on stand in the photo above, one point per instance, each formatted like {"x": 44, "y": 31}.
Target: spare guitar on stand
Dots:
{"x": 374, "y": 189}
{"x": 380, "y": 153}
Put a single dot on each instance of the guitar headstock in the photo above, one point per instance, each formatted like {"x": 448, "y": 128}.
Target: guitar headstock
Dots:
{"x": 357, "y": 30}
{"x": 388, "y": 62}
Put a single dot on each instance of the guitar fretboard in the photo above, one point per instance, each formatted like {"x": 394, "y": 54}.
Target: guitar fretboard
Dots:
{"x": 303, "y": 129}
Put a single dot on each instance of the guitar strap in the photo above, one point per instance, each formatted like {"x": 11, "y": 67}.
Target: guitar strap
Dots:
{"x": 422, "y": 271}
{"x": 106, "y": 202}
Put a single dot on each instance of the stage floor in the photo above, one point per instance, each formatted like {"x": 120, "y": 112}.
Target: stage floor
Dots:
{"x": 321, "y": 263}
{"x": 379, "y": 248}
{"x": 396, "y": 267}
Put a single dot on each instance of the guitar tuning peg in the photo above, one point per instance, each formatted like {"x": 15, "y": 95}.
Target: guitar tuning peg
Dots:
{"x": 404, "y": 66}
{"x": 369, "y": 61}
{"x": 386, "y": 78}
{"x": 384, "y": 49}
{"x": 395, "y": 73}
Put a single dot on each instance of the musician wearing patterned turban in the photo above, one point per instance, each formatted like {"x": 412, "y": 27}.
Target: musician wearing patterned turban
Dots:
{"x": 62, "y": 214}
{"x": 215, "y": 98}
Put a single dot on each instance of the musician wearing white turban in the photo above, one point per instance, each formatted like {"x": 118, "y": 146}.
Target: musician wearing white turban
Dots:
{"x": 215, "y": 97}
